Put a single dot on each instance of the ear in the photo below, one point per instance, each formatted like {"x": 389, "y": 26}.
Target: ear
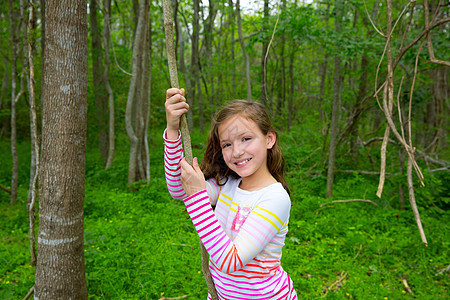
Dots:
{"x": 271, "y": 139}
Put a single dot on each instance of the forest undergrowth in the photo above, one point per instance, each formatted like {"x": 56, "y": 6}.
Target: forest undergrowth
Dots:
{"x": 142, "y": 245}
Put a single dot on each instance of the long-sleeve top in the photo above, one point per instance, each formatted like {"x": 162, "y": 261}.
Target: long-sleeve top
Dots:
{"x": 244, "y": 236}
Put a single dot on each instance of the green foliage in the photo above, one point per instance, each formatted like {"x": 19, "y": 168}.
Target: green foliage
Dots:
{"x": 142, "y": 245}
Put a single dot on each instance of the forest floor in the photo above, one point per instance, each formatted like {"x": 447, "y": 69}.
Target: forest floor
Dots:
{"x": 142, "y": 245}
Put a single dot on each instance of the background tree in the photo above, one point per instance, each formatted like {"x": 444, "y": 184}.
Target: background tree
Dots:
{"x": 100, "y": 92}
{"x": 60, "y": 262}
{"x": 137, "y": 108}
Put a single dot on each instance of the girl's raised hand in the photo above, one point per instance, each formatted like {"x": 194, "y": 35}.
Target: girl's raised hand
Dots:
{"x": 192, "y": 177}
{"x": 176, "y": 106}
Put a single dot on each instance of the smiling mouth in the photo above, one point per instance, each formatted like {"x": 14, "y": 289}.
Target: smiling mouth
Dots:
{"x": 242, "y": 162}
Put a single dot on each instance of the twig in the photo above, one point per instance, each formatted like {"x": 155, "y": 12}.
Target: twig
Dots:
{"x": 439, "y": 169}
{"x": 5, "y": 189}
{"x": 417, "y": 38}
{"x": 408, "y": 289}
{"x": 30, "y": 292}
{"x": 174, "y": 298}
{"x": 267, "y": 53}
{"x": 429, "y": 42}
{"x": 114, "y": 54}
{"x": 340, "y": 278}
{"x": 351, "y": 200}
{"x": 370, "y": 19}
{"x": 363, "y": 172}
{"x": 183, "y": 245}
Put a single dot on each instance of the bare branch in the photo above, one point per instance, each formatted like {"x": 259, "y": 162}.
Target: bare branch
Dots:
{"x": 267, "y": 53}
{"x": 370, "y": 19}
{"x": 407, "y": 288}
{"x": 412, "y": 200}
{"x": 351, "y": 200}
{"x": 429, "y": 42}
{"x": 30, "y": 292}
{"x": 417, "y": 38}
{"x": 5, "y": 189}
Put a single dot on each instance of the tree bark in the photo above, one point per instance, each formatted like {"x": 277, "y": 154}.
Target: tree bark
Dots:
{"x": 100, "y": 92}
{"x": 60, "y": 262}
{"x": 14, "y": 33}
{"x": 241, "y": 41}
{"x": 335, "y": 106}
{"x": 183, "y": 69}
{"x": 232, "y": 63}
{"x": 137, "y": 101}
{"x": 195, "y": 61}
{"x": 34, "y": 166}
{"x": 107, "y": 44}
{"x": 265, "y": 47}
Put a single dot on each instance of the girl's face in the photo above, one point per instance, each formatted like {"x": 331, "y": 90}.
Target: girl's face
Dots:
{"x": 244, "y": 148}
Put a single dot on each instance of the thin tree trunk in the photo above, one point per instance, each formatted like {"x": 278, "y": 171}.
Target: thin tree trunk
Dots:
{"x": 335, "y": 107}
{"x": 292, "y": 88}
{"x": 107, "y": 45}
{"x": 168, "y": 26}
{"x": 137, "y": 93}
{"x": 4, "y": 94}
{"x": 187, "y": 76}
{"x": 195, "y": 61}
{"x": 232, "y": 63}
{"x": 412, "y": 200}
{"x": 60, "y": 262}
{"x": 323, "y": 72}
{"x": 15, "y": 47}
{"x": 34, "y": 168}
{"x": 100, "y": 90}
{"x": 265, "y": 47}
{"x": 241, "y": 41}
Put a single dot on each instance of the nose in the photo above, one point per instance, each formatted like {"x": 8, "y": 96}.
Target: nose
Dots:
{"x": 238, "y": 151}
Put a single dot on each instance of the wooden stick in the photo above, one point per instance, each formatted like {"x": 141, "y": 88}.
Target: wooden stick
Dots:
{"x": 351, "y": 200}
{"x": 5, "y": 189}
{"x": 30, "y": 292}
{"x": 168, "y": 26}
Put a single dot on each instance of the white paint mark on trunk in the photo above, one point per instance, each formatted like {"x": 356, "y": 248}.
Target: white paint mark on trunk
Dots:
{"x": 56, "y": 241}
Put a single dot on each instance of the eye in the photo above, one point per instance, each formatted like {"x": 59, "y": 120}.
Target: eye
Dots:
{"x": 226, "y": 145}
{"x": 244, "y": 139}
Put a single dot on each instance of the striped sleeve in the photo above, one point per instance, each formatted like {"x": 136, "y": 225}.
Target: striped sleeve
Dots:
{"x": 262, "y": 224}
{"x": 173, "y": 153}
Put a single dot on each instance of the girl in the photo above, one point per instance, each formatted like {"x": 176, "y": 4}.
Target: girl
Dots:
{"x": 243, "y": 167}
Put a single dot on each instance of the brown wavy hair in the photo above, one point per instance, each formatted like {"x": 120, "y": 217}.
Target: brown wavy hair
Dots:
{"x": 213, "y": 165}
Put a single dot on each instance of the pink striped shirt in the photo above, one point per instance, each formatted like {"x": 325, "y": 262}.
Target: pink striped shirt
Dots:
{"x": 244, "y": 236}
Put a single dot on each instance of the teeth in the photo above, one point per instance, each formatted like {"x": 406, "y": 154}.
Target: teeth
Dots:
{"x": 242, "y": 162}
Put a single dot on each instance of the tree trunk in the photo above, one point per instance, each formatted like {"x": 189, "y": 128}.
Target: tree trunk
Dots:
{"x": 241, "y": 41}
{"x": 187, "y": 76}
{"x": 60, "y": 263}
{"x": 335, "y": 107}
{"x": 232, "y": 63}
{"x": 34, "y": 165}
{"x": 100, "y": 92}
{"x": 265, "y": 46}
{"x": 14, "y": 32}
{"x": 292, "y": 87}
{"x": 107, "y": 42}
{"x": 323, "y": 72}
{"x": 4, "y": 121}
{"x": 195, "y": 61}
{"x": 138, "y": 95}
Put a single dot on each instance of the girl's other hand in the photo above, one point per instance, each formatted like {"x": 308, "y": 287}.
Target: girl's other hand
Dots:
{"x": 176, "y": 106}
{"x": 192, "y": 177}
